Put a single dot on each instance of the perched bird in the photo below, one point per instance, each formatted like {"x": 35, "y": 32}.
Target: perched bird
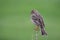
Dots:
{"x": 38, "y": 21}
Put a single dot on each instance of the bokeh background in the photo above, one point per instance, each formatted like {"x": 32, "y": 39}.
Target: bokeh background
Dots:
{"x": 15, "y": 23}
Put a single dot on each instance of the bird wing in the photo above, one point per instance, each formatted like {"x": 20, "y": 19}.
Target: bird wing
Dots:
{"x": 40, "y": 19}
{"x": 35, "y": 20}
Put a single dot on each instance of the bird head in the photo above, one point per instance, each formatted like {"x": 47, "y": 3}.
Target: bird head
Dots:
{"x": 33, "y": 11}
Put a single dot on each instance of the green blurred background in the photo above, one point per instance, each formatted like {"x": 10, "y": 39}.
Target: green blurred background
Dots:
{"x": 15, "y": 23}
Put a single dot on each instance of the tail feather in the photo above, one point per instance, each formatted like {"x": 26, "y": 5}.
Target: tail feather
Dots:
{"x": 43, "y": 32}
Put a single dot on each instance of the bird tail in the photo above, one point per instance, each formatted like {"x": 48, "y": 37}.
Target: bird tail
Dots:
{"x": 43, "y": 32}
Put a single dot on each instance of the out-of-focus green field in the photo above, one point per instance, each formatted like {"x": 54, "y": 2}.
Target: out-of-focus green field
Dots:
{"x": 15, "y": 23}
